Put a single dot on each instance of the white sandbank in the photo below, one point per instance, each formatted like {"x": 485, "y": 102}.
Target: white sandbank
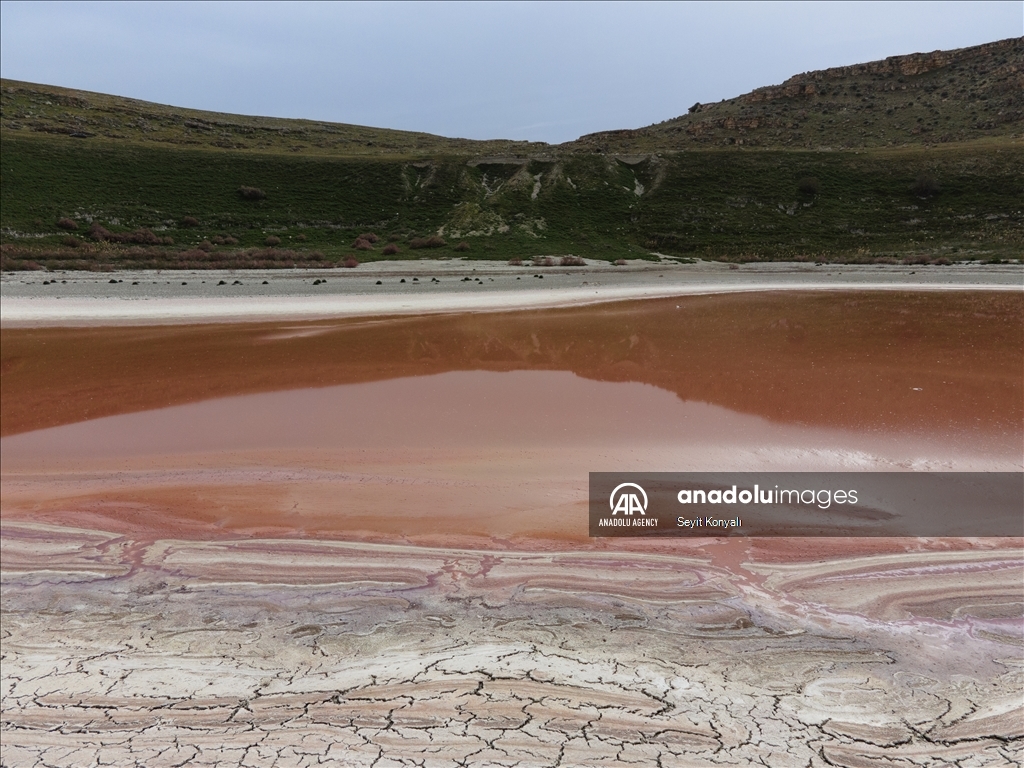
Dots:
{"x": 199, "y": 297}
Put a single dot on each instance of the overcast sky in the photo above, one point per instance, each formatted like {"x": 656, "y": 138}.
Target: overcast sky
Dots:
{"x": 539, "y": 71}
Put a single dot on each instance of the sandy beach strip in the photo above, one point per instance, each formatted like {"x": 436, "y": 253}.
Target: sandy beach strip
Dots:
{"x": 419, "y": 288}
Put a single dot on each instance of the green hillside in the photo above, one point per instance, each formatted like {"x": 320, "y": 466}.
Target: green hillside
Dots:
{"x": 93, "y": 181}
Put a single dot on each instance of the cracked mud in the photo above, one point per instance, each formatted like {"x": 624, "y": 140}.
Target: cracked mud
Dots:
{"x": 312, "y": 653}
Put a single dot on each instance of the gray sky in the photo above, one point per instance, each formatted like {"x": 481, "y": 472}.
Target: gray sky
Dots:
{"x": 540, "y": 71}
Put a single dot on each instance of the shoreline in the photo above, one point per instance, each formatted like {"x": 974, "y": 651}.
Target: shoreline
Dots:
{"x": 431, "y": 287}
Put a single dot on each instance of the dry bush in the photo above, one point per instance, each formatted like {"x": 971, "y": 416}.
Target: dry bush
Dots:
{"x": 390, "y": 249}
{"x": 206, "y": 246}
{"x": 251, "y": 193}
{"x": 187, "y": 222}
{"x": 217, "y": 239}
{"x": 65, "y": 223}
{"x": 351, "y": 262}
{"x": 394, "y": 238}
{"x": 516, "y": 262}
{"x": 362, "y": 245}
{"x": 463, "y": 246}
{"x": 543, "y": 261}
{"x": 572, "y": 261}
{"x": 100, "y": 233}
{"x": 620, "y": 262}
{"x": 918, "y": 259}
{"x": 809, "y": 185}
{"x": 369, "y": 237}
{"x": 71, "y": 242}
{"x": 272, "y": 240}
{"x": 434, "y": 241}
{"x": 301, "y": 238}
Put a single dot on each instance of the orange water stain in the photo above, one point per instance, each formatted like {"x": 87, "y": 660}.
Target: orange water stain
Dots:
{"x": 892, "y": 361}
{"x": 483, "y": 428}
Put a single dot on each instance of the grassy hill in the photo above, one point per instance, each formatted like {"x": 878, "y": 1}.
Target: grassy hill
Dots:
{"x": 93, "y": 181}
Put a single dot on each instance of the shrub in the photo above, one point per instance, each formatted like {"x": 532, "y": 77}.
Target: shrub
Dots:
{"x": 917, "y": 259}
{"x": 620, "y": 262}
{"x": 71, "y": 242}
{"x": 188, "y": 222}
{"x": 206, "y": 246}
{"x": 351, "y": 262}
{"x": 66, "y": 223}
{"x": 433, "y": 241}
{"x": 394, "y": 238}
{"x": 369, "y": 237}
{"x": 272, "y": 240}
{"x": 543, "y": 261}
{"x": 251, "y": 193}
{"x": 140, "y": 236}
{"x": 390, "y": 249}
{"x": 229, "y": 240}
{"x": 301, "y": 238}
{"x": 809, "y": 185}
{"x": 463, "y": 246}
{"x": 516, "y": 262}
{"x": 925, "y": 185}
{"x": 572, "y": 261}
{"x": 362, "y": 245}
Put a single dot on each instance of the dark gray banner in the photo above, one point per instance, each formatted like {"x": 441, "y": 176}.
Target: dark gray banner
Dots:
{"x": 665, "y": 504}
